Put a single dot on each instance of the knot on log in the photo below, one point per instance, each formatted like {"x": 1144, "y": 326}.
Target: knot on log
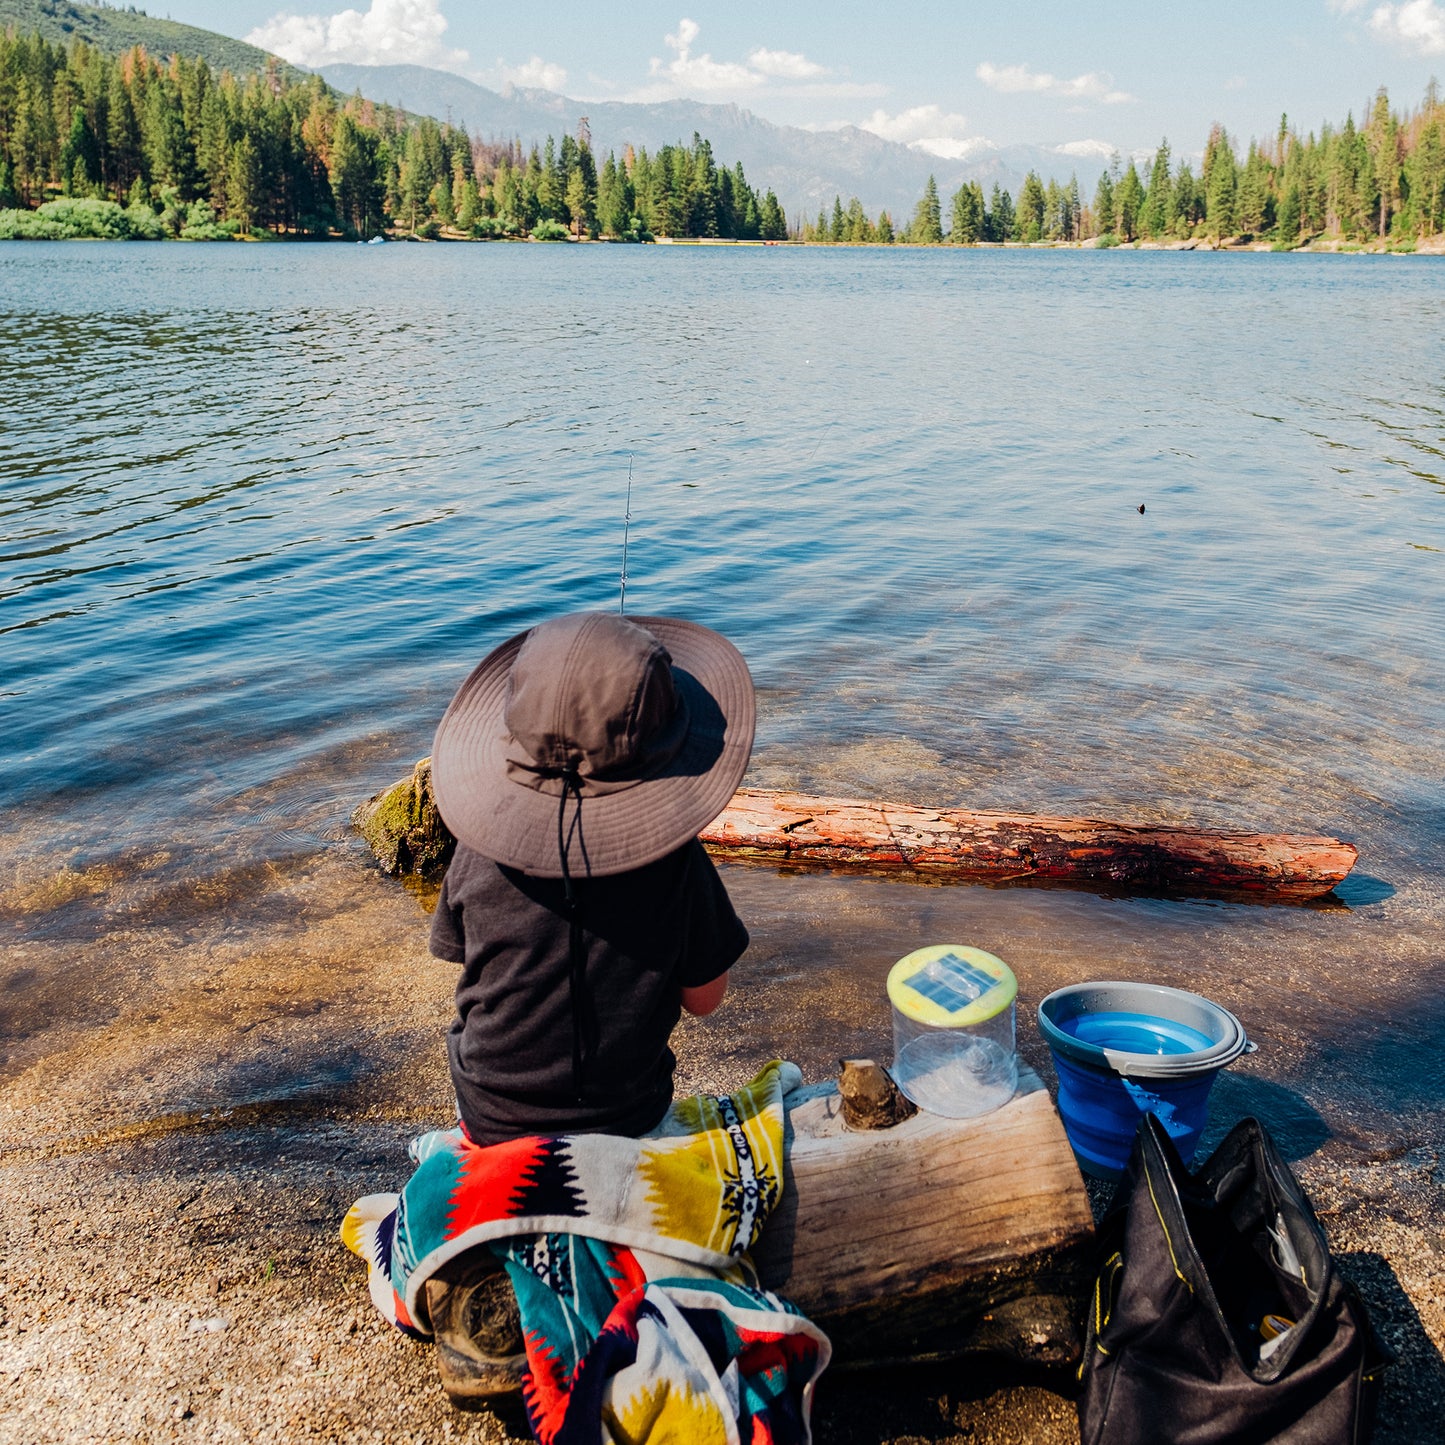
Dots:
{"x": 871, "y": 1100}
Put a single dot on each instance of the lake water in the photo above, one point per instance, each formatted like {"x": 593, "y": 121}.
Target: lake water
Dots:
{"x": 265, "y": 506}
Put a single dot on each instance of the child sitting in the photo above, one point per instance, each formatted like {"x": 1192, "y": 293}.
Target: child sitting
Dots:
{"x": 576, "y": 766}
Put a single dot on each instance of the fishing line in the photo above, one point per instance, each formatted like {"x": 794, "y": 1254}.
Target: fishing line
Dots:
{"x": 626, "y": 526}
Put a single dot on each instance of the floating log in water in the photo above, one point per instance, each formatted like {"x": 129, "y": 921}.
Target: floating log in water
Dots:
{"x": 921, "y": 1239}
{"x": 407, "y": 835}
{"x": 953, "y": 843}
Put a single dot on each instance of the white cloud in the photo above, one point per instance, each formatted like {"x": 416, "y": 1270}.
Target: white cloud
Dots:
{"x": 536, "y": 74}
{"x": 909, "y": 126}
{"x": 785, "y": 64}
{"x": 1011, "y": 78}
{"x": 928, "y": 128}
{"x": 1417, "y": 25}
{"x": 1019, "y": 79}
{"x": 700, "y": 72}
{"x": 775, "y": 72}
{"x": 1093, "y": 150}
{"x": 391, "y": 32}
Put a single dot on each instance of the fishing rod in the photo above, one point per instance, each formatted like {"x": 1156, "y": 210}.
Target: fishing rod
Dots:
{"x": 626, "y": 526}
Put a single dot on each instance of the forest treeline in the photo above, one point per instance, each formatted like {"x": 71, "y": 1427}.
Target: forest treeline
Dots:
{"x": 135, "y": 146}
{"x": 1382, "y": 181}
{"x": 131, "y": 145}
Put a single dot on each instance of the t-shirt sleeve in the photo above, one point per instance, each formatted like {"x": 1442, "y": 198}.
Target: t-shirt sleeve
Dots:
{"x": 716, "y": 937}
{"x": 447, "y": 940}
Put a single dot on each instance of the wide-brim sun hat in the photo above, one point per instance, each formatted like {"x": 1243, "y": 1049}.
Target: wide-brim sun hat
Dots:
{"x": 636, "y": 731}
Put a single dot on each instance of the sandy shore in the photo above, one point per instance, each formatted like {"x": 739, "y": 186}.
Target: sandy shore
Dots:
{"x": 202, "y": 1072}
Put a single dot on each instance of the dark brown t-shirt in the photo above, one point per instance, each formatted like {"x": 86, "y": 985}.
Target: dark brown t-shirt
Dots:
{"x": 647, "y": 935}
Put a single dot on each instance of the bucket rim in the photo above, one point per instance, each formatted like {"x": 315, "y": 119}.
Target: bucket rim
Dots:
{"x": 1136, "y": 1065}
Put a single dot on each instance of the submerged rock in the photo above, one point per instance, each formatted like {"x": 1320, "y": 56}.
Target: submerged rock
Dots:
{"x": 403, "y": 828}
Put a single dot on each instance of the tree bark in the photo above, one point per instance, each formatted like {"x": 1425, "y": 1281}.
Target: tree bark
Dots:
{"x": 989, "y": 847}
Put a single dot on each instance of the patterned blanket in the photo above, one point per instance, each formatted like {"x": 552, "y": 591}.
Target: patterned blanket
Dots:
{"x": 642, "y": 1317}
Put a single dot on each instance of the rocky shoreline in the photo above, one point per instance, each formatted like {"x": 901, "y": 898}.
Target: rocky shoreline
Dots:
{"x": 178, "y": 1153}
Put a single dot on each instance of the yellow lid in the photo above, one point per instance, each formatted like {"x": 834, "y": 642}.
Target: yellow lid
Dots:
{"x": 951, "y": 986}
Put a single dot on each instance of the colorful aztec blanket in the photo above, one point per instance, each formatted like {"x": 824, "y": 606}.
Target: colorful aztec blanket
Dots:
{"x": 640, "y": 1310}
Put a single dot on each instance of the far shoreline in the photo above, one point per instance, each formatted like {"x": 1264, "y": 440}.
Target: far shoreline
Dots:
{"x": 1433, "y": 246}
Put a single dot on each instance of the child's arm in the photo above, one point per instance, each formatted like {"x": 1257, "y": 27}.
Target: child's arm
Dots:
{"x": 705, "y": 997}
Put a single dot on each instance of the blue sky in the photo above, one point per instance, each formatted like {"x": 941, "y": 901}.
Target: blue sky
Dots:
{"x": 946, "y": 77}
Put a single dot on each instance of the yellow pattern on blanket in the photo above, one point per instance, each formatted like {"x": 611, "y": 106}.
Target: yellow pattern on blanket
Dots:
{"x": 714, "y": 1169}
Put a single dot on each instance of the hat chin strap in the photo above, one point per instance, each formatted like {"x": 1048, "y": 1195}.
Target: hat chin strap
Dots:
{"x": 577, "y": 989}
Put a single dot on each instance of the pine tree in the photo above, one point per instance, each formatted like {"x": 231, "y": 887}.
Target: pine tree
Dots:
{"x": 1028, "y": 223}
{"x": 1256, "y": 209}
{"x": 1425, "y": 172}
{"x": 703, "y": 191}
{"x": 967, "y": 225}
{"x": 1055, "y": 220}
{"x": 614, "y": 209}
{"x": 1159, "y": 203}
{"x": 26, "y": 141}
{"x": 353, "y": 178}
{"x": 122, "y": 135}
{"x": 1221, "y": 183}
{"x": 1382, "y": 138}
{"x": 1188, "y": 209}
{"x": 669, "y": 217}
{"x": 243, "y": 198}
{"x": 1287, "y": 224}
{"x": 213, "y": 147}
{"x": 439, "y": 202}
{"x": 1002, "y": 215}
{"x": 550, "y": 186}
{"x": 579, "y": 203}
{"x": 80, "y": 173}
{"x": 1128, "y": 203}
{"x": 1104, "y": 204}
{"x": 773, "y": 224}
{"x": 169, "y": 154}
{"x": 927, "y": 228}
{"x": 469, "y": 205}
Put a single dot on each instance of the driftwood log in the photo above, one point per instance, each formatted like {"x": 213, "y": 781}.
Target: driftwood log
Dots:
{"x": 793, "y": 828}
{"x": 926, "y": 1239}
{"x": 406, "y": 833}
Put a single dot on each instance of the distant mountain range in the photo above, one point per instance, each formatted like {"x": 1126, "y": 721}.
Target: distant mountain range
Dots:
{"x": 806, "y": 168}
{"x": 115, "y": 30}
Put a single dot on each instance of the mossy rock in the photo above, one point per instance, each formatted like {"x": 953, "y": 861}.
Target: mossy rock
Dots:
{"x": 403, "y": 828}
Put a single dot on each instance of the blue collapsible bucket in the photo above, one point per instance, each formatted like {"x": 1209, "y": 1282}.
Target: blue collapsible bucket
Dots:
{"x": 1123, "y": 1050}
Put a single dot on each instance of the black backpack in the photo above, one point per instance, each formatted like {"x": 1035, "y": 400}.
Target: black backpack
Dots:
{"x": 1217, "y": 1314}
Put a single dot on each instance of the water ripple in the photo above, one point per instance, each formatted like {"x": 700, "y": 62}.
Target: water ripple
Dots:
{"x": 252, "y": 514}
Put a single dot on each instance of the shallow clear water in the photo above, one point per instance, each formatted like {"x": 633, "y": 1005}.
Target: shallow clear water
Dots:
{"x": 265, "y": 506}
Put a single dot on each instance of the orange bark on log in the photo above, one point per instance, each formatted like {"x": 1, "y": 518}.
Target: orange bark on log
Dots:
{"x": 983, "y": 847}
